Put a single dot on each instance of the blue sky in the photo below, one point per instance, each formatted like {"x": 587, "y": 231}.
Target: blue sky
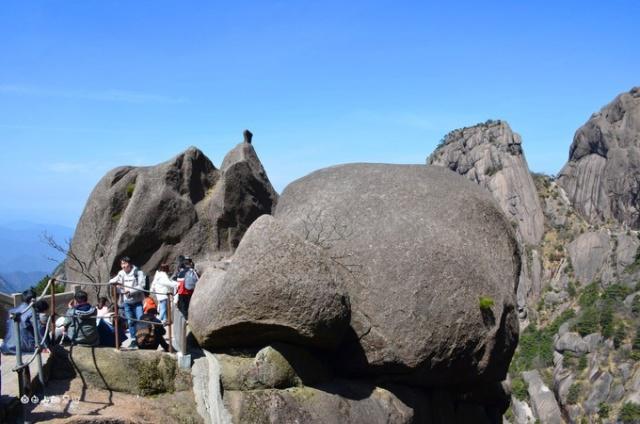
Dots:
{"x": 86, "y": 86}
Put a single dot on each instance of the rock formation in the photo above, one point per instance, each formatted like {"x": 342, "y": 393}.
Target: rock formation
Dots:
{"x": 602, "y": 175}
{"x": 491, "y": 155}
{"x": 155, "y": 213}
{"x": 278, "y": 287}
{"x": 421, "y": 245}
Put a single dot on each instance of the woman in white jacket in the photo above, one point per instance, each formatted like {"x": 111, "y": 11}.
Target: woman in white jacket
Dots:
{"x": 162, "y": 285}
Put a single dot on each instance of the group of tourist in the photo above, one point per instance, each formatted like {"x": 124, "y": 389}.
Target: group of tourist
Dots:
{"x": 143, "y": 317}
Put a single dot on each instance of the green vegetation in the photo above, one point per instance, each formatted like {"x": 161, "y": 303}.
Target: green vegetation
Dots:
{"x": 571, "y": 289}
{"x": 630, "y": 413}
{"x": 635, "y": 354}
{"x": 519, "y": 388}
{"x": 42, "y": 284}
{"x": 582, "y": 362}
{"x": 574, "y": 393}
{"x": 535, "y": 349}
{"x": 485, "y": 303}
{"x": 603, "y": 410}
{"x": 589, "y": 294}
{"x": 606, "y": 320}
{"x": 619, "y": 335}
{"x": 615, "y": 293}
{"x": 116, "y": 217}
{"x": 588, "y": 321}
{"x": 635, "y": 306}
{"x": 130, "y": 188}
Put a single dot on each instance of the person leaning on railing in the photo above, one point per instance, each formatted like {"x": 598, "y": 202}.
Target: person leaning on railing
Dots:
{"x": 131, "y": 281}
{"x": 27, "y": 340}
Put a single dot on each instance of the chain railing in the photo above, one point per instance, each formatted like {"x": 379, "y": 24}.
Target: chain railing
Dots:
{"x": 22, "y": 367}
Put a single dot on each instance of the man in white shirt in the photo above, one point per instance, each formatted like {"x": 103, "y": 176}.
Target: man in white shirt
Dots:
{"x": 130, "y": 280}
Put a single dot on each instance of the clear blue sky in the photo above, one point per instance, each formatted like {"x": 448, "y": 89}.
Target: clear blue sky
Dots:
{"x": 86, "y": 86}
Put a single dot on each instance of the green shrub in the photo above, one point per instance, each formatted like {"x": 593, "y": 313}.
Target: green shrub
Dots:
{"x": 589, "y": 295}
{"x": 636, "y": 340}
{"x": 130, "y": 188}
{"x": 519, "y": 388}
{"x": 565, "y": 316}
{"x": 535, "y": 350}
{"x": 582, "y": 362}
{"x": 616, "y": 293}
{"x": 571, "y": 289}
{"x": 588, "y": 321}
{"x": 574, "y": 393}
{"x": 485, "y": 303}
{"x": 42, "y": 284}
{"x": 630, "y": 413}
{"x": 603, "y": 410}
{"x": 606, "y": 320}
{"x": 619, "y": 335}
{"x": 635, "y": 306}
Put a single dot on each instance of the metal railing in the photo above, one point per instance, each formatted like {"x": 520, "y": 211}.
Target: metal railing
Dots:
{"x": 22, "y": 367}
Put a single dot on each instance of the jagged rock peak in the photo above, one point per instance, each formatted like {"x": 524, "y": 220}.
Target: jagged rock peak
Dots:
{"x": 491, "y": 155}
{"x": 182, "y": 206}
{"x": 493, "y": 131}
{"x": 602, "y": 174}
{"x": 248, "y": 135}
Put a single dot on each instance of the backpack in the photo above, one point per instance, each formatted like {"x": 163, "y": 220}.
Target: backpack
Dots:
{"x": 144, "y": 276}
{"x": 146, "y": 337}
{"x": 190, "y": 279}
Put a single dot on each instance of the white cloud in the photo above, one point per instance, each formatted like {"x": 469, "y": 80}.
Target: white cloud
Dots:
{"x": 121, "y": 96}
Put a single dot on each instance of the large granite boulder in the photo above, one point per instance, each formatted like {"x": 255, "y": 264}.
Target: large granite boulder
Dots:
{"x": 154, "y": 213}
{"x": 491, "y": 155}
{"x": 420, "y": 246}
{"x": 602, "y": 176}
{"x": 278, "y": 287}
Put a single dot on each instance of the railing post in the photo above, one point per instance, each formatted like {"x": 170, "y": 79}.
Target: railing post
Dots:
{"x": 53, "y": 310}
{"x": 170, "y": 320}
{"x": 116, "y": 317}
{"x": 36, "y": 337}
{"x": 16, "y": 330}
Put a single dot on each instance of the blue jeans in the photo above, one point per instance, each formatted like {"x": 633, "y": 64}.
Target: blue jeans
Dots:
{"x": 162, "y": 310}
{"x": 132, "y": 311}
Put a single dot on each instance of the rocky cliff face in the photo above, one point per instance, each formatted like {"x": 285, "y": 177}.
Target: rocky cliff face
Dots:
{"x": 182, "y": 206}
{"x": 490, "y": 154}
{"x": 602, "y": 175}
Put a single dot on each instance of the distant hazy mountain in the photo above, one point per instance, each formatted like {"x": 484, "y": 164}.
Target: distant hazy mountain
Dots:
{"x": 24, "y": 257}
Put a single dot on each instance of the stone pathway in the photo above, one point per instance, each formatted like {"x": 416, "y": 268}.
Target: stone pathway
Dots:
{"x": 9, "y": 382}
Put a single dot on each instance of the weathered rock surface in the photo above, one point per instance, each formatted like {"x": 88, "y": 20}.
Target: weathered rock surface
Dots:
{"x": 543, "y": 401}
{"x": 572, "y": 342}
{"x": 491, "y": 155}
{"x": 278, "y": 287}
{"x": 155, "y": 213}
{"x": 588, "y": 253}
{"x": 602, "y": 175}
{"x": 139, "y": 372}
{"x": 599, "y": 392}
{"x": 206, "y": 372}
{"x": 522, "y": 412}
{"x": 421, "y": 245}
{"x": 278, "y": 366}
